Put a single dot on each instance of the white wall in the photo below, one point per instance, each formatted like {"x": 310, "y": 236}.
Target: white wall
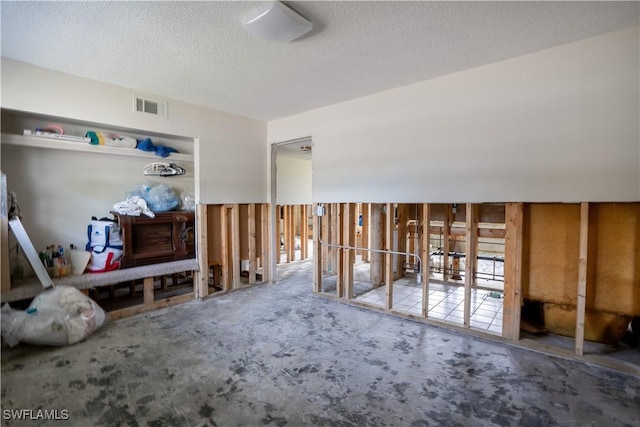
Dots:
{"x": 232, "y": 149}
{"x": 560, "y": 124}
{"x": 293, "y": 181}
{"x": 59, "y": 191}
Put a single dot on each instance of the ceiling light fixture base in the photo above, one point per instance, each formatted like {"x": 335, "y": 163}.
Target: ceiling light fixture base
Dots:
{"x": 276, "y": 22}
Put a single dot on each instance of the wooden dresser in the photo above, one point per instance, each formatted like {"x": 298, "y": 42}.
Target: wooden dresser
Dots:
{"x": 170, "y": 236}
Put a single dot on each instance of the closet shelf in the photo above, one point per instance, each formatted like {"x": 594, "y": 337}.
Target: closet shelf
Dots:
{"x": 58, "y": 144}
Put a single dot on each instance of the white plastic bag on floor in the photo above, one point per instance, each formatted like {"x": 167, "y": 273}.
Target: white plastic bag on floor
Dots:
{"x": 58, "y": 316}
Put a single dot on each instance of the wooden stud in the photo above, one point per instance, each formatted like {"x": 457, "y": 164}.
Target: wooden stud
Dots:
{"x": 425, "y": 255}
{"x": 300, "y": 211}
{"x": 265, "y": 248}
{"x": 259, "y": 235}
{"x": 264, "y": 242}
{"x": 269, "y": 242}
{"x": 331, "y": 238}
{"x": 582, "y": 277}
{"x": 408, "y": 238}
{"x": 235, "y": 246}
{"x": 344, "y": 240}
{"x": 290, "y": 239}
{"x": 317, "y": 252}
{"x": 325, "y": 236}
{"x": 334, "y": 239}
{"x": 446, "y": 230}
{"x": 213, "y": 235}
{"x": 471, "y": 254}
{"x": 285, "y": 232}
{"x": 512, "y": 271}
{"x": 293, "y": 221}
{"x": 295, "y": 224}
{"x": 279, "y": 237}
{"x": 349, "y": 233}
{"x": 274, "y": 217}
{"x": 366, "y": 207}
{"x": 403, "y": 216}
{"x": 201, "y": 288}
{"x": 337, "y": 253}
{"x": 243, "y": 241}
{"x": 304, "y": 232}
{"x": 388, "y": 245}
{"x": 376, "y": 259}
{"x": 224, "y": 249}
{"x": 147, "y": 295}
{"x": 143, "y": 308}
{"x": 251, "y": 224}
{"x": 496, "y": 233}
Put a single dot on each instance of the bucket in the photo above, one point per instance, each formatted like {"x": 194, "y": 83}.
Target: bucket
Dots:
{"x": 79, "y": 260}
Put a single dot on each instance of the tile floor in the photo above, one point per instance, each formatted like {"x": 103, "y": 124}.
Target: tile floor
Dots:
{"x": 445, "y": 303}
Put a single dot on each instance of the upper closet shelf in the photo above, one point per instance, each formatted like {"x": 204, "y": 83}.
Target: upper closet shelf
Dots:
{"x": 35, "y": 141}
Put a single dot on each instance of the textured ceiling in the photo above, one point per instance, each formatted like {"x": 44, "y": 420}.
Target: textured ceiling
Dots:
{"x": 199, "y": 53}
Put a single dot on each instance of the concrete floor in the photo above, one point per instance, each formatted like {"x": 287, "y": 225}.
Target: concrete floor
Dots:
{"x": 276, "y": 355}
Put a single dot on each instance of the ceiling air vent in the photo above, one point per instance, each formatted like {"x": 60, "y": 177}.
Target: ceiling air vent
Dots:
{"x": 149, "y": 106}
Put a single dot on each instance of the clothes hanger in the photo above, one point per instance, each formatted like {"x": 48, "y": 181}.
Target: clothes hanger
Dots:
{"x": 163, "y": 169}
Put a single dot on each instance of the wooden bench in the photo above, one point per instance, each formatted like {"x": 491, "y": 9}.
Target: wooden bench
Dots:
{"x": 31, "y": 287}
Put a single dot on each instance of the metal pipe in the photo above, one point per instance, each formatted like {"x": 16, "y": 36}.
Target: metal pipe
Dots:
{"x": 383, "y": 251}
{"x": 463, "y": 255}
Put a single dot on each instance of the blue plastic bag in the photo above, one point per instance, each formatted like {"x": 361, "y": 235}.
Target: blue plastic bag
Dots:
{"x": 159, "y": 197}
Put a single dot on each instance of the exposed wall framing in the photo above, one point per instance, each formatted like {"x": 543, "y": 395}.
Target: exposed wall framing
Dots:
{"x": 293, "y": 232}
{"x": 147, "y": 294}
{"x": 583, "y": 255}
{"x": 237, "y": 247}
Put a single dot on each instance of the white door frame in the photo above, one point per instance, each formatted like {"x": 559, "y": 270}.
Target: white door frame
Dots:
{"x": 275, "y": 241}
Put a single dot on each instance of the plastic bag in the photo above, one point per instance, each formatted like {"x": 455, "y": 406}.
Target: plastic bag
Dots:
{"x": 58, "y": 316}
{"x": 188, "y": 201}
{"x": 159, "y": 197}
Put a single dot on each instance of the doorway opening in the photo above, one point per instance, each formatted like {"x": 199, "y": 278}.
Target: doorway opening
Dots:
{"x": 291, "y": 185}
